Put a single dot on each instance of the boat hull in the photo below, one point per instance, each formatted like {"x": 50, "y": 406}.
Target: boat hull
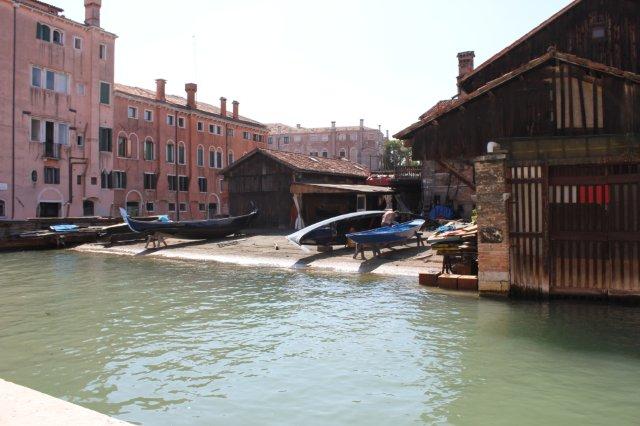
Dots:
{"x": 333, "y": 231}
{"x": 196, "y": 229}
{"x": 388, "y": 234}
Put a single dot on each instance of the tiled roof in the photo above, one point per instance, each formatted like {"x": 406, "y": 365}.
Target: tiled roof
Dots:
{"x": 437, "y": 108}
{"x": 179, "y": 101}
{"x": 279, "y": 128}
{"x": 46, "y": 7}
{"x": 309, "y": 164}
{"x": 552, "y": 54}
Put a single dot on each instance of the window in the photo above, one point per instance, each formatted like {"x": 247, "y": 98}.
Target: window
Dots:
{"x": 181, "y": 122}
{"x": 325, "y": 138}
{"x": 219, "y": 159}
{"x": 58, "y": 37}
{"x": 80, "y": 140}
{"x": 200, "y": 157}
{"x": 296, "y": 138}
{"x": 219, "y": 130}
{"x": 171, "y": 120}
{"x": 172, "y": 207}
{"x": 171, "y": 155}
{"x": 230, "y": 159}
{"x": 246, "y": 135}
{"x": 173, "y": 182}
{"x": 150, "y": 181}
{"x": 270, "y": 140}
{"x": 36, "y": 77}
{"x": 343, "y": 153}
{"x": 79, "y": 179}
{"x": 202, "y": 207}
{"x": 102, "y": 54}
{"x": 202, "y": 184}
{"x": 80, "y": 89}
{"x": 148, "y": 115}
{"x": 325, "y": 154}
{"x": 313, "y": 153}
{"x": 105, "y": 139}
{"x": 63, "y": 134}
{"x": 182, "y": 159}
{"x": 51, "y": 175}
{"x": 353, "y": 137}
{"x": 342, "y": 137}
{"x": 212, "y": 129}
{"x": 132, "y": 112}
{"x": 183, "y": 207}
{"x": 119, "y": 180}
{"x": 77, "y": 43}
{"x": 231, "y": 132}
{"x": 2, "y": 209}
{"x": 257, "y": 137}
{"x": 286, "y": 139}
{"x": 183, "y": 183}
{"x": 105, "y": 180}
{"x": 105, "y": 93}
{"x": 123, "y": 147}
{"x": 150, "y": 207}
{"x": 94, "y": 180}
{"x": 212, "y": 158}
{"x": 43, "y": 32}
{"x": 149, "y": 153}
{"x": 200, "y": 126}
{"x": 36, "y": 134}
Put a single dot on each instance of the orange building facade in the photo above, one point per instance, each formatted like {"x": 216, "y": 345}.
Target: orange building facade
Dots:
{"x": 168, "y": 152}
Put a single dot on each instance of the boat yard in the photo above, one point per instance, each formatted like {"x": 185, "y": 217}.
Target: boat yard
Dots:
{"x": 270, "y": 248}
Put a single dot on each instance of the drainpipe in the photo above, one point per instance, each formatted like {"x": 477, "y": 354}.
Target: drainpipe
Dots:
{"x": 72, "y": 161}
{"x": 13, "y": 115}
{"x": 175, "y": 167}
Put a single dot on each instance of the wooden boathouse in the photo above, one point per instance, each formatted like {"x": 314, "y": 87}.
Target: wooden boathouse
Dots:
{"x": 289, "y": 187}
{"x": 552, "y": 127}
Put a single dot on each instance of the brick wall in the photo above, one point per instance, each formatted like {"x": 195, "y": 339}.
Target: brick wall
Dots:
{"x": 493, "y": 229}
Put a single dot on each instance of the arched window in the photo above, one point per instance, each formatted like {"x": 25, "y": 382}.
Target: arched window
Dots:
{"x": 3, "y": 211}
{"x": 219, "y": 159}
{"x": 325, "y": 154}
{"x": 212, "y": 158}
{"x": 200, "y": 156}
{"x": 124, "y": 147}
{"x": 230, "y": 159}
{"x": 182, "y": 159}
{"x": 148, "y": 149}
{"x": 43, "y": 32}
{"x": 343, "y": 153}
{"x": 171, "y": 152}
{"x": 58, "y": 37}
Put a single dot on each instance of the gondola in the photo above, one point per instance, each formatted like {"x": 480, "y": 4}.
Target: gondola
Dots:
{"x": 192, "y": 229}
{"x": 332, "y": 231}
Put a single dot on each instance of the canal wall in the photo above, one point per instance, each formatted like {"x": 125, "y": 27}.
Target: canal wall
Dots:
{"x": 21, "y": 406}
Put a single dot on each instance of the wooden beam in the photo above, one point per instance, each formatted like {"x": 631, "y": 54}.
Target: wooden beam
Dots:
{"x": 457, "y": 174}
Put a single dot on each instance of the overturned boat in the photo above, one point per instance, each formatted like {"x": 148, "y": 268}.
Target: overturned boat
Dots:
{"x": 388, "y": 234}
{"x": 333, "y": 231}
{"x": 192, "y": 229}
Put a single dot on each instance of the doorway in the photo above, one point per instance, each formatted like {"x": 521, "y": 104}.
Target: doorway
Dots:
{"x": 88, "y": 208}
{"x": 133, "y": 208}
{"x": 212, "y": 210}
{"x": 49, "y": 209}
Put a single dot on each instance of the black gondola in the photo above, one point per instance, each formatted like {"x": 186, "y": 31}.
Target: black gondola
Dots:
{"x": 192, "y": 229}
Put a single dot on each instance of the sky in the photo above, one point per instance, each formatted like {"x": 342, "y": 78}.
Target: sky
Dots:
{"x": 312, "y": 62}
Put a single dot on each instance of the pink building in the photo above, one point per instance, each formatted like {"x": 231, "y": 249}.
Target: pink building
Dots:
{"x": 56, "y": 109}
{"x": 168, "y": 151}
{"x": 359, "y": 144}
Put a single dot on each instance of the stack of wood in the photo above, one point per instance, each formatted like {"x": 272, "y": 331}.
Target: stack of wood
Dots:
{"x": 457, "y": 242}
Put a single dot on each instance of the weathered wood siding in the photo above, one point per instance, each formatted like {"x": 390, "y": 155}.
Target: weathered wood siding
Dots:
{"x": 573, "y": 33}
{"x": 554, "y": 100}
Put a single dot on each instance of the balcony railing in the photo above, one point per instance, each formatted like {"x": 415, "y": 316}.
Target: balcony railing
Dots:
{"x": 408, "y": 173}
{"x": 51, "y": 150}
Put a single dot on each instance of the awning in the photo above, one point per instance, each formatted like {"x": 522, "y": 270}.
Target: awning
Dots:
{"x": 329, "y": 188}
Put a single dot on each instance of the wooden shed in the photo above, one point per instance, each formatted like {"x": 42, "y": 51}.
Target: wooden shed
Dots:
{"x": 266, "y": 177}
{"x": 558, "y": 196}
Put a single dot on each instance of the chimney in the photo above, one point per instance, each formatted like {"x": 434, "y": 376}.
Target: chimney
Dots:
{"x": 387, "y": 134}
{"x": 298, "y": 126}
{"x": 223, "y": 106}
{"x": 236, "y": 104}
{"x": 191, "y": 89}
{"x": 333, "y": 124}
{"x": 362, "y": 124}
{"x": 160, "y": 89}
{"x": 92, "y": 12}
{"x": 465, "y": 66}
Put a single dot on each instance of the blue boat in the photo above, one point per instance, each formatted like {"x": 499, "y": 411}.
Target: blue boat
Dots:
{"x": 388, "y": 234}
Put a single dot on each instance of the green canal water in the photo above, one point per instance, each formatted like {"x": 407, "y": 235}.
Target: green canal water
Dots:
{"x": 159, "y": 342}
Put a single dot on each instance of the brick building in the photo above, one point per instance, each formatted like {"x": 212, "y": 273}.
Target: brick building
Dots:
{"x": 55, "y": 97}
{"x": 168, "y": 151}
{"x": 359, "y": 144}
